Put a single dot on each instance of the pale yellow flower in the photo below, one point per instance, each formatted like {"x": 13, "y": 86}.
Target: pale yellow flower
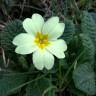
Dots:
{"x": 42, "y": 40}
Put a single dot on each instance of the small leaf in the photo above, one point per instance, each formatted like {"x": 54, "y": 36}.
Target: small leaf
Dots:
{"x": 10, "y": 81}
{"x": 9, "y": 32}
{"x": 84, "y": 78}
{"x": 69, "y": 30}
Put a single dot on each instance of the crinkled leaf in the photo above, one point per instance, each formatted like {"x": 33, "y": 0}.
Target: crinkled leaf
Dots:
{"x": 9, "y": 32}
{"x": 89, "y": 50}
{"x": 88, "y": 26}
{"x": 84, "y": 79}
{"x": 69, "y": 30}
{"x": 83, "y": 74}
{"x": 93, "y": 14}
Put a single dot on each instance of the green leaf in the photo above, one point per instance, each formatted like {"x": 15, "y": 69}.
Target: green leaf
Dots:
{"x": 69, "y": 30}
{"x": 83, "y": 74}
{"x": 9, "y": 32}
{"x": 63, "y": 63}
{"x": 10, "y": 81}
{"x": 84, "y": 78}
{"x": 88, "y": 26}
{"x": 39, "y": 87}
{"x": 88, "y": 48}
{"x": 93, "y": 14}
{"x": 75, "y": 91}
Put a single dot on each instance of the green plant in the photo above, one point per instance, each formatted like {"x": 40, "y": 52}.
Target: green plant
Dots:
{"x": 75, "y": 74}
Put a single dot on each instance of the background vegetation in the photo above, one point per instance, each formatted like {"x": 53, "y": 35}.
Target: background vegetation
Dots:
{"x": 73, "y": 76}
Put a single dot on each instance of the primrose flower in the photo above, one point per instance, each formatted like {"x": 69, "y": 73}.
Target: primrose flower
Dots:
{"x": 41, "y": 39}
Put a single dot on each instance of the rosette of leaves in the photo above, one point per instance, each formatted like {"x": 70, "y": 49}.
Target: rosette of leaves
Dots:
{"x": 80, "y": 56}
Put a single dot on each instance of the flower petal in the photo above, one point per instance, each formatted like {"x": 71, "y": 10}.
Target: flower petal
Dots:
{"x": 33, "y": 25}
{"x": 57, "y": 31}
{"x": 25, "y": 49}
{"x": 23, "y": 38}
{"x": 57, "y": 48}
{"x": 53, "y": 28}
{"x": 43, "y": 58}
{"x": 50, "y": 24}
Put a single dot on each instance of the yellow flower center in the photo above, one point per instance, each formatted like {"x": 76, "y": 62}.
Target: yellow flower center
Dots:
{"x": 41, "y": 40}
